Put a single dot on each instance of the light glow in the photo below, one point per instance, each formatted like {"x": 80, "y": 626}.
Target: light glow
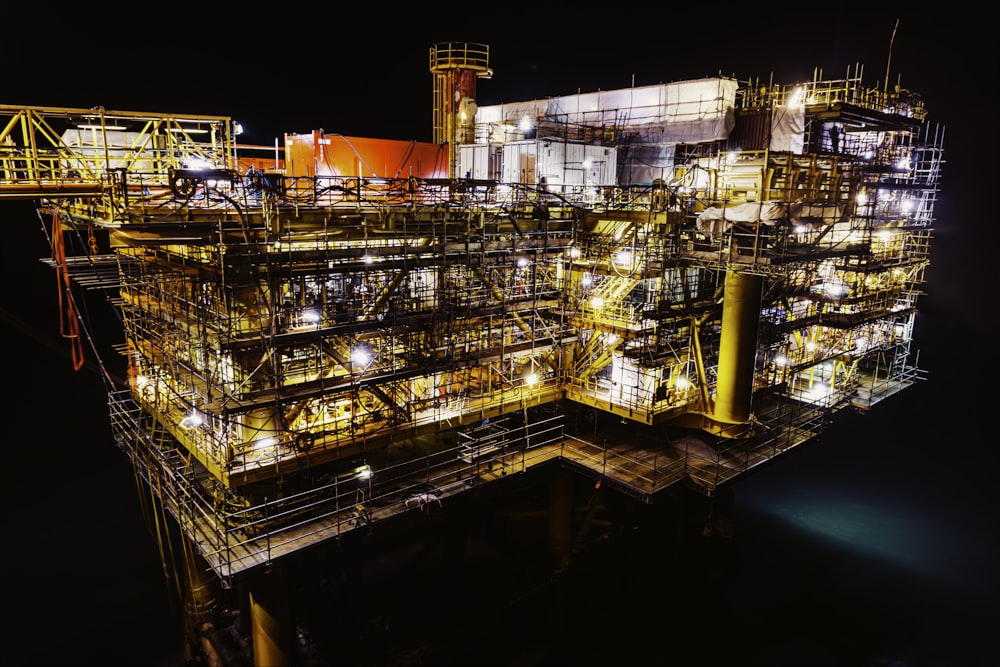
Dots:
{"x": 361, "y": 355}
{"x": 192, "y": 420}
{"x": 89, "y": 126}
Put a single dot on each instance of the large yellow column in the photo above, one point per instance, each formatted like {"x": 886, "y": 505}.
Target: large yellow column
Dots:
{"x": 737, "y": 347}
{"x": 269, "y": 621}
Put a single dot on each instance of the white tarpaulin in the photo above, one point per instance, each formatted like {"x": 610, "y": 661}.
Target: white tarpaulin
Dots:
{"x": 818, "y": 213}
{"x": 715, "y": 220}
{"x": 671, "y": 113}
{"x": 788, "y": 129}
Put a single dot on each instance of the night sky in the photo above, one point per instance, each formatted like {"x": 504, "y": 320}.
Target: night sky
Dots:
{"x": 875, "y": 545}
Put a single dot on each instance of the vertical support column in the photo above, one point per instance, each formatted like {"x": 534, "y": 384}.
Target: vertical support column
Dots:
{"x": 738, "y": 347}
{"x": 199, "y": 602}
{"x": 560, "y": 518}
{"x": 269, "y": 621}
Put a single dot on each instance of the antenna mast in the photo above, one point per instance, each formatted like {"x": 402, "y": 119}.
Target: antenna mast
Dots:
{"x": 885, "y": 86}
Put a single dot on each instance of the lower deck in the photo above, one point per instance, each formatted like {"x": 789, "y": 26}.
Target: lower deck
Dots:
{"x": 427, "y": 474}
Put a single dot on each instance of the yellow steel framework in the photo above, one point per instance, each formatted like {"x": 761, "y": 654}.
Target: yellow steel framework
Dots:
{"x": 285, "y": 337}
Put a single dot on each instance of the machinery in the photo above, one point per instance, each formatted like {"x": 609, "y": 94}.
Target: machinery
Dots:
{"x": 660, "y": 286}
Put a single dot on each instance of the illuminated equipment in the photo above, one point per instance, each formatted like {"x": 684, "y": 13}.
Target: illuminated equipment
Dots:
{"x": 704, "y": 257}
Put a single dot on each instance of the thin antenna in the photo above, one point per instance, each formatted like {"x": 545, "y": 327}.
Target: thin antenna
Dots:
{"x": 885, "y": 86}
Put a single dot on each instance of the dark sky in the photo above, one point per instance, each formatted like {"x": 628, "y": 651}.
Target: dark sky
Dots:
{"x": 367, "y": 75}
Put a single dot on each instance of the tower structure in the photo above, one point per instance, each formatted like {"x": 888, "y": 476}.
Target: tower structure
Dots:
{"x": 456, "y": 66}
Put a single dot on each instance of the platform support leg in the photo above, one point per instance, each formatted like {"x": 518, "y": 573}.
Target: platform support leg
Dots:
{"x": 560, "y": 519}
{"x": 200, "y": 601}
{"x": 738, "y": 346}
{"x": 269, "y": 617}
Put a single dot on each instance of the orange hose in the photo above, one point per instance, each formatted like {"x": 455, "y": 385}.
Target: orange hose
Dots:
{"x": 69, "y": 325}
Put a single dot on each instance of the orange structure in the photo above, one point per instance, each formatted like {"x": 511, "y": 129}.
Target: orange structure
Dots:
{"x": 319, "y": 154}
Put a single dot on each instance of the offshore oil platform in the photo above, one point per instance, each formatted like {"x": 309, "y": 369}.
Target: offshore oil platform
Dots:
{"x": 637, "y": 291}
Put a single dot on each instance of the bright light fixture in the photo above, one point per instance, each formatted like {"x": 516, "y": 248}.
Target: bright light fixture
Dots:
{"x": 197, "y": 163}
{"x": 91, "y": 126}
{"x": 192, "y": 420}
{"x": 361, "y": 355}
